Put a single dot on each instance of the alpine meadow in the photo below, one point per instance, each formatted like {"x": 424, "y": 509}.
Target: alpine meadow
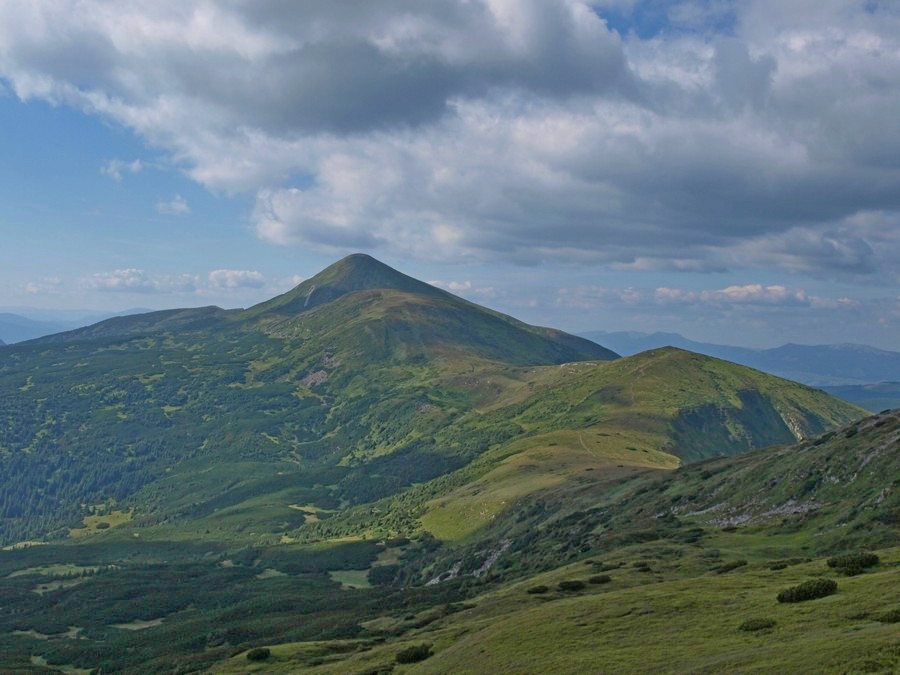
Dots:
{"x": 504, "y": 337}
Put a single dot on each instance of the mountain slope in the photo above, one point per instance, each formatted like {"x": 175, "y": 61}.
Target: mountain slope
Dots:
{"x": 376, "y": 306}
{"x": 181, "y": 320}
{"x": 764, "y": 521}
{"x": 369, "y": 372}
{"x": 652, "y": 410}
{"x": 817, "y": 365}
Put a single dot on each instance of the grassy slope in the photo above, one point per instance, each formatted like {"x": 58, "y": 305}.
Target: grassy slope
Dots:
{"x": 678, "y": 625}
{"x": 651, "y": 410}
{"x": 673, "y": 593}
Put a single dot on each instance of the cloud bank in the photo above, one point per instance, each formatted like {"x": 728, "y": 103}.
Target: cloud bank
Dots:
{"x": 526, "y": 130}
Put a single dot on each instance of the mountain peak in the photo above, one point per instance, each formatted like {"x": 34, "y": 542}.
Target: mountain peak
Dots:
{"x": 355, "y": 272}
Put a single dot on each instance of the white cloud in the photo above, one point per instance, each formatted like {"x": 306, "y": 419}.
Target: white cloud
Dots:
{"x": 177, "y": 207}
{"x": 525, "y": 131}
{"x": 44, "y": 286}
{"x": 466, "y": 289}
{"x": 115, "y": 168}
{"x": 748, "y": 294}
{"x": 230, "y": 279}
{"x": 132, "y": 280}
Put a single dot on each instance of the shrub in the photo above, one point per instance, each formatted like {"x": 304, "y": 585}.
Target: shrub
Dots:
{"x": 751, "y": 625}
{"x": 414, "y": 654}
{"x": 571, "y": 585}
{"x": 853, "y": 563}
{"x": 259, "y": 654}
{"x": 787, "y": 562}
{"x": 727, "y": 567}
{"x": 891, "y": 616}
{"x": 382, "y": 575}
{"x": 600, "y": 579}
{"x": 536, "y": 590}
{"x": 808, "y": 590}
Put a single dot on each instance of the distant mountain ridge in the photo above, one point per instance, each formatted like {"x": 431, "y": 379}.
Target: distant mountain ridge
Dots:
{"x": 815, "y": 365}
{"x": 16, "y": 327}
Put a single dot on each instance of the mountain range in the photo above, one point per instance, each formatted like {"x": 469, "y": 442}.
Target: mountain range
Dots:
{"x": 367, "y": 466}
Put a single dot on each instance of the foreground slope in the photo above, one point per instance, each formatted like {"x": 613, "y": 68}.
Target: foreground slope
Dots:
{"x": 699, "y": 595}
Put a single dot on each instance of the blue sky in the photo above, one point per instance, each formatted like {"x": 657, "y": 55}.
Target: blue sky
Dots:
{"x": 728, "y": 170}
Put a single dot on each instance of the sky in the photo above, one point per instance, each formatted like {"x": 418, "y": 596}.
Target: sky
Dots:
{"x": 725, "y": 169}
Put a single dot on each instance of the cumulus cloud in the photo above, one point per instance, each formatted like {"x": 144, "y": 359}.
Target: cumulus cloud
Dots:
{"x": 44, "y": 286}
{"x": 115, "y": 168}
{"x": 228, "y": 279}
{"x": 749, "y": 294}
{"x": 132, "y": 280}
{"x": 178, "y": 206}
{"x": 488, "y": 129}
{"x": 466, "y": 289}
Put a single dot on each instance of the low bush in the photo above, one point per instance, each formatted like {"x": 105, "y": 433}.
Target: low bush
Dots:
{"x": 571, "y": 585}
{"x": 808, "y": 590}
{"x": 259, "y": 654}
{"x": 752, "y": 625}
{"x": 787, "y": 562}
{"x": 853, "y": 563}
{"x": 537, "y": 590}
{"x": 414, "y": 654}
{"x": 891, "y": 616}
{"x": 727, "y": 567}
{"x": 600, "y": 579}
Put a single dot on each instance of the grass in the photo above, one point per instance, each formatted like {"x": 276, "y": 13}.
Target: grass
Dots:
{"x": 98, "y": 523}
{"x": 351, "y": 578}
{"x": 535, "y": 464}
{"x": 693, "y": 624}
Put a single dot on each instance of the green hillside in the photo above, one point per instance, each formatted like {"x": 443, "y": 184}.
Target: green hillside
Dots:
{"x": 180, "y": 486}
{"x": 700, "y": 588}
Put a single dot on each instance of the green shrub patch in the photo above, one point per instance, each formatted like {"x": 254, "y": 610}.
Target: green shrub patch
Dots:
{"x": 891, "y": 616}
{"x": 808, "y": 590}
{"x": 415, "y": 653}
{"x": 752, "y": 625}
{"x": 571, "y": 585}
{"x": 853, "y": 563}
{"x": 537, "y": 590}
{"x": 600, "y": 579}
{"x": 259, "y": 654}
